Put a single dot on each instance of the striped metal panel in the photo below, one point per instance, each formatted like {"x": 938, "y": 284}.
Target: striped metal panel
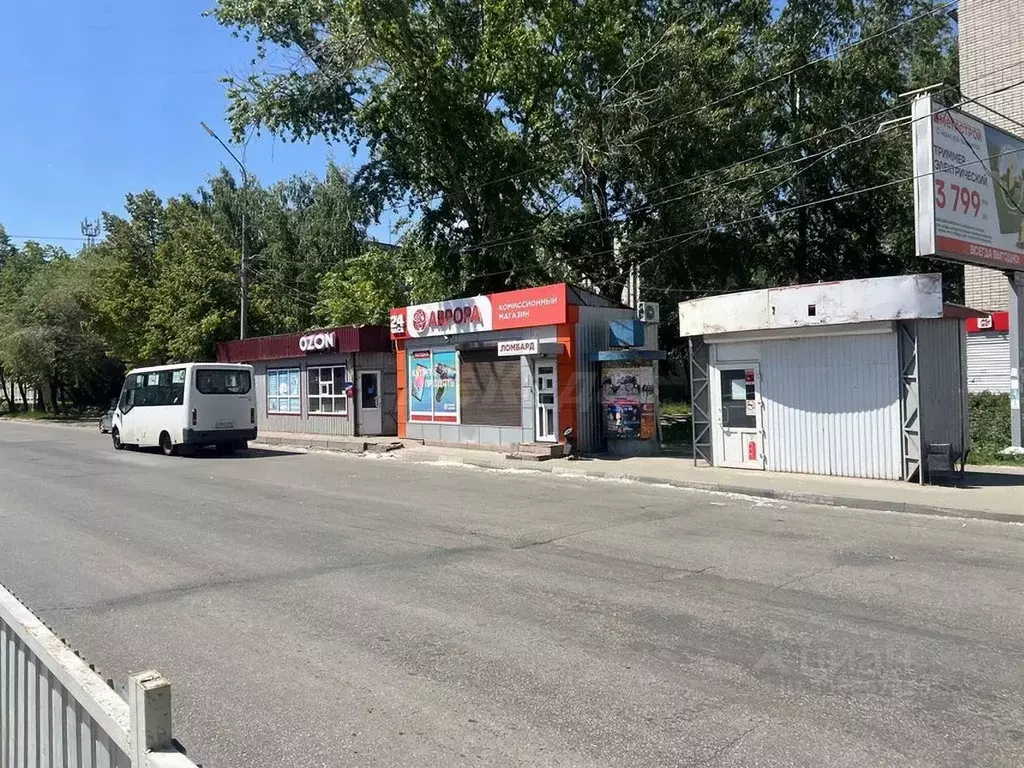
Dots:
{"x": 591, "y": 337}
{"x": 42, "y": 722}
{"x": 942, "y": 384}
{"x": 385, "y": 363}
{"x": 988, "y": 362}
{"x": 302, "y": 423}
{"x": 831, "y": 405}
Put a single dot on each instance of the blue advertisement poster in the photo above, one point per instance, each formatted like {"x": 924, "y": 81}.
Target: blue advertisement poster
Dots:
{"x": 446, "y": 386}
{"x": 421, "y": 395}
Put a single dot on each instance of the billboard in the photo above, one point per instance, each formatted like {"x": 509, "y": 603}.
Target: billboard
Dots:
{"x": 968, "y": 188}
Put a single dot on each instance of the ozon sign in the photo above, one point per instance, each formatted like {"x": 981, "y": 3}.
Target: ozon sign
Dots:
{"x": 318, "y": 342}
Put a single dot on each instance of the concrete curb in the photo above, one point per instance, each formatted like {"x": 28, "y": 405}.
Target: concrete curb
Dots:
{"x": 796, "y": 497}
{"x": 555, "y": 467}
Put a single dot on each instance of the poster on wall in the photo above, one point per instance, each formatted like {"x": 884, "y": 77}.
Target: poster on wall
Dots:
{"x": 434, "y": 386}
{"x": 421, "y": 399}
{"x": 627, "y": 402}
{"x": 446, "y": 386}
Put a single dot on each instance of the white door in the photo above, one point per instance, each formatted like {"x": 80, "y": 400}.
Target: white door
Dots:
{"x": 546, "y": 387}
{"x": 368, "y": 415}
{"x": 739, "y": 416}
{"x": 124, "y": 416}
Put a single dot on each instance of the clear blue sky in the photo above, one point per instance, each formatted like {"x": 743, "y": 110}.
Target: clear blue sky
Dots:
{"x": 99, "y": 99}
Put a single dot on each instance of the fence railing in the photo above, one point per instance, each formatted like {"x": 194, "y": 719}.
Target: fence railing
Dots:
{"x": 56, "y": 712}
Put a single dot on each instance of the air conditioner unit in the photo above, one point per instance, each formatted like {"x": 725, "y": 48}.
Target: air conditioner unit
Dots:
{"x": 647, "y": 312}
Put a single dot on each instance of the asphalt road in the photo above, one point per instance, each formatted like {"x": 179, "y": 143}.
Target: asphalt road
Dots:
{"x": 315, "y": 610}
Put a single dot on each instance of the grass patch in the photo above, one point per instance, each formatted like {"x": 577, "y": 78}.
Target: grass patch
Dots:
{"x": 675, "y": 408}
{"x": 677, "y": 433}
{"x": 990, "y": 430}
{"x": 71, "y": 415}
{"x": 28, "y": 415}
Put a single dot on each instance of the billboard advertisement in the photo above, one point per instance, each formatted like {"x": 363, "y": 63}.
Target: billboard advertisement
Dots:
{"x": 525, "y": 308}
{"x": 434, "y": 386}
{"x": 968, "y": 188}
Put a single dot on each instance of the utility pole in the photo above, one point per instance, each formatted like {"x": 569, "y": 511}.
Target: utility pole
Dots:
{"x": 90, "y": 231}
{"x": 243, "y": 272}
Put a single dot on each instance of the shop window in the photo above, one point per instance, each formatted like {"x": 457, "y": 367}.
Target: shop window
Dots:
{"x": 284, "y": 391}
{"x": 434, "y": 385}
{"x": 492, "y": 389}
{"x": 326, "y": 390}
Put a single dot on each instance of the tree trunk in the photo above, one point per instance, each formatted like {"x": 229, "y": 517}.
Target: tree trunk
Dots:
{"x": 3, "y": 388}
{"x": 54, "y": 397}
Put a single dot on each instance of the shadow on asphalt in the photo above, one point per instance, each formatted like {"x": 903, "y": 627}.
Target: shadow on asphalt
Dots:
{"x": 209, "y": 453}
{"x": 976, "y": 479}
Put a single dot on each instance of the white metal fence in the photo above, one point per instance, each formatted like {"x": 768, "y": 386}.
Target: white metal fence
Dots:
{"x": 56, "y": 712}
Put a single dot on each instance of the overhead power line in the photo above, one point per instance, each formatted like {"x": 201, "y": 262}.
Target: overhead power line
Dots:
{"x": 532, "y": 235}
{"x": 722, "y": 99}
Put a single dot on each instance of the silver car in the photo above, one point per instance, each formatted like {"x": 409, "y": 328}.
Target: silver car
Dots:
{"x": 105, "y": 421}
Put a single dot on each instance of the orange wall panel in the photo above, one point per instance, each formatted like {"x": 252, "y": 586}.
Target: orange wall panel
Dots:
{"x": 567, "y": 392}
{"x": 403, "y": 400}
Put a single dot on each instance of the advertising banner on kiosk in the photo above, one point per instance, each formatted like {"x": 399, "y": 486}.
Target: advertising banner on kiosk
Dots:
{"x": 434, "y": 385}
{"x": 627, "y": 400}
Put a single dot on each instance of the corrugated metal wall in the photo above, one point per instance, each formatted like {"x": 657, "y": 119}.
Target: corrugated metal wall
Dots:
{"x": 329, "y": 425}
{"x": 831, "y": 405}
{"x": 591, "y": 337}
{"x": 988, "y": 362}
{"x": 942, "y": 384}
{"x": 385, "y": 363}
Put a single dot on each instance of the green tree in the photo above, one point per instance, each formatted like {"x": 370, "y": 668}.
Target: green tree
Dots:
{"x": 506, "y": 124}
{"x": 366, "y": 289}
{"x": 125, "y": 271}
{"x": 194, "y": 299}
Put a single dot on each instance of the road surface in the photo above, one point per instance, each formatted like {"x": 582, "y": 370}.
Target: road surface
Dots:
{"x": 315, "y": 610}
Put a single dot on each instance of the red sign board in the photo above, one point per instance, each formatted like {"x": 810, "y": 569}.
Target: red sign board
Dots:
{"x": 530, "y": 307}
{"x": 525, "y": 308}
{"x": 752, "y": 450}
{"x": 997, "y": 321}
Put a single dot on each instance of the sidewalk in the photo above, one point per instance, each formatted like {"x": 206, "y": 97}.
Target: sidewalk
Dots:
{"x": 989, "y": 493}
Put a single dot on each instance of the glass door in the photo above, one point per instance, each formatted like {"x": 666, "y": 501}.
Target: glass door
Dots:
{"x": 740, "y": 417}
{"x": 546, "y": 384}
{"x": 369, "y": 416}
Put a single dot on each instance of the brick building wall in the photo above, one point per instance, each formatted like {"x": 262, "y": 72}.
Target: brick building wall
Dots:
{"x": 992, "y": 57}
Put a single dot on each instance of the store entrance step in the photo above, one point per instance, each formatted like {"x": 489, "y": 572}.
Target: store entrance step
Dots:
{"x": 537, "y": 451}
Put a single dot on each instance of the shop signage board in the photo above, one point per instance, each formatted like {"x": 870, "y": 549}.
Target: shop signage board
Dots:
{"x": 518, "y": 347}
{"x": 968, "y": 188}
{"x": 525, "y": 308}
{"x": 323, "y": 341}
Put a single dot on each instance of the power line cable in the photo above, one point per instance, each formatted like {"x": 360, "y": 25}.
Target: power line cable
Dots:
{"x": 818, "y": 157}
{"x": 721, "y": 100}
{"x": 628, "y": 212}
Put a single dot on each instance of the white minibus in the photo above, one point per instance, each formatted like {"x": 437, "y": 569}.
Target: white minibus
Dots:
{"x": 189, "y": 405}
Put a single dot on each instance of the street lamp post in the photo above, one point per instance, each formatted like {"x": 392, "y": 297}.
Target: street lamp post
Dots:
{"x": 243, "y": 272}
